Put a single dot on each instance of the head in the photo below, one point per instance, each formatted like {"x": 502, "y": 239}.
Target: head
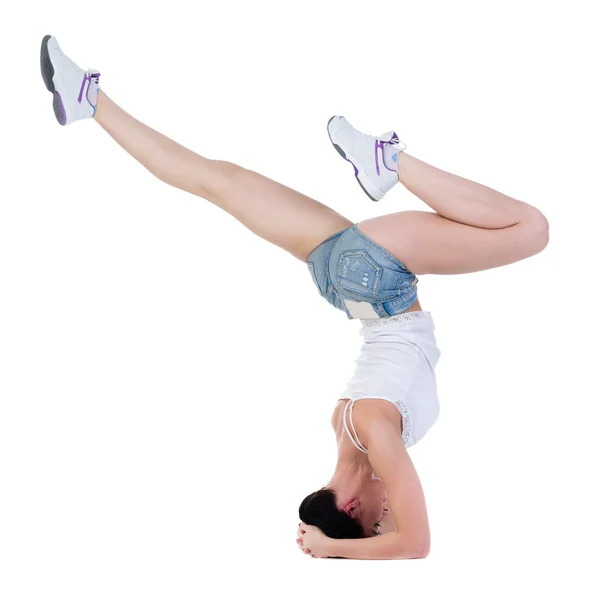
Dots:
{"x": 359, "y": 517}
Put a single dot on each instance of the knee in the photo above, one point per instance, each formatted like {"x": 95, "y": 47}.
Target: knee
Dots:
{"x": 538, "y": 230}
{"x": 226, "y": 169}
{"x": 224, "y": 176}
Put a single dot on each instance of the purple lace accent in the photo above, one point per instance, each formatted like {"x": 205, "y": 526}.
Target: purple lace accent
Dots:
{"x": 86, "y": 77}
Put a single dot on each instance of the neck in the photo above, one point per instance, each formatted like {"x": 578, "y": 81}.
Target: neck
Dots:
{"x": 350, "y": 477}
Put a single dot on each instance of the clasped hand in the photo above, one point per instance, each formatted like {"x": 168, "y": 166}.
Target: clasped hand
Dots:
{"x": 311, "y": 540}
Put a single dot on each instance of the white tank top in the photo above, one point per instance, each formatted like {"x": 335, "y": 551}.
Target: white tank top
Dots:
{"x": 397, "y": 363}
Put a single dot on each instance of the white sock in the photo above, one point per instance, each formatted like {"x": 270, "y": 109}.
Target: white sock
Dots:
{"x": 390, "y": 157}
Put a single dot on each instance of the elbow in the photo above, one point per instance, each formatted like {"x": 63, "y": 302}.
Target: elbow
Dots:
{"x": 421, "y": 551}
{"x": 411, "y": 553}
{"x": 423, "y": 545}
{"x": 416, "y": 548}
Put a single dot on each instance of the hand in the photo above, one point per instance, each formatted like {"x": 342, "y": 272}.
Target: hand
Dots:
{"x": 311, "y": 540}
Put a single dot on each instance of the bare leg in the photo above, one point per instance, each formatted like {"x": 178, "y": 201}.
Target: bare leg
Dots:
{"x": 474, "y": 227}
{"x": 273, "y": 211}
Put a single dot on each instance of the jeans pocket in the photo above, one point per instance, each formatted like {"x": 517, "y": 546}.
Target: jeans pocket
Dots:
{"x": 358, "y": 274}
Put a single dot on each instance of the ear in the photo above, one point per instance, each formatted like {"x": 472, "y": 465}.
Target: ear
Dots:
{"x": 352, "y": 508}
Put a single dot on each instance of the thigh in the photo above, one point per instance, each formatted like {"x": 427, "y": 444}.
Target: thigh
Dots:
{"x": 429, "y": 243}
{"x": 275, "y": 212}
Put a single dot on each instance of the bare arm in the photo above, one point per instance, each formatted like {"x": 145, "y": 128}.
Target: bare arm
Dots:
{"x": 378, "y": 428}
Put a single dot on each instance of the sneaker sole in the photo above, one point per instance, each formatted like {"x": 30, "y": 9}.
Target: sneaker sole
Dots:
{"x": 48, "y": 77}
{"x": 341, "y": 152}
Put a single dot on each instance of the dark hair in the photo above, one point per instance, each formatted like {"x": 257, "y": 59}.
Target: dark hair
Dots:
{"x": 319, "y": 509}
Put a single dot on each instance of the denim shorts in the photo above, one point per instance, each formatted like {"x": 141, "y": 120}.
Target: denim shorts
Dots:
{"x": 358, "y": 276}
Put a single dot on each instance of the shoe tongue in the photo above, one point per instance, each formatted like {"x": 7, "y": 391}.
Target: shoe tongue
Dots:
{"x": 390, "y": 136}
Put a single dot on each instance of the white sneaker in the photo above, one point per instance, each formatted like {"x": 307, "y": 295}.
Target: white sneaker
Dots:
{"x": 365, "y": 152}
{"x": 75, "y": 91}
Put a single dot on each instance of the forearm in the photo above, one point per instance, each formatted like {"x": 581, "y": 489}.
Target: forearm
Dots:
{"x": 390, "y": 546}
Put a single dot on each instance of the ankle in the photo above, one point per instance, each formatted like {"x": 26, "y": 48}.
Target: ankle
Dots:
{"x": 98, "y": 102}
{"x": 391, "y": 156}
{"x": 403, "y": 161}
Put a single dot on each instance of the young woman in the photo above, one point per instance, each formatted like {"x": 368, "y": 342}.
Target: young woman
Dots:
{"x": 368, "y": 270}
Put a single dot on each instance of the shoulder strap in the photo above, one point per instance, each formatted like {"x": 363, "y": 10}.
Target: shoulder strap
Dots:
{"x": 348, "y": 417}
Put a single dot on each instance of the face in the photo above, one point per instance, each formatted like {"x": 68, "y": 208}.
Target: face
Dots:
{"x": 371, "y": 509}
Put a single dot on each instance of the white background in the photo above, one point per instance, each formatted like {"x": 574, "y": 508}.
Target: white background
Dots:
{"x": 166, "y": 378}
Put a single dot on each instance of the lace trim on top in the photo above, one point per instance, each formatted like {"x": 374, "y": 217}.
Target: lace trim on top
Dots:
{"x": 401, "y": 318}
{"x": 406, "y": 422}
